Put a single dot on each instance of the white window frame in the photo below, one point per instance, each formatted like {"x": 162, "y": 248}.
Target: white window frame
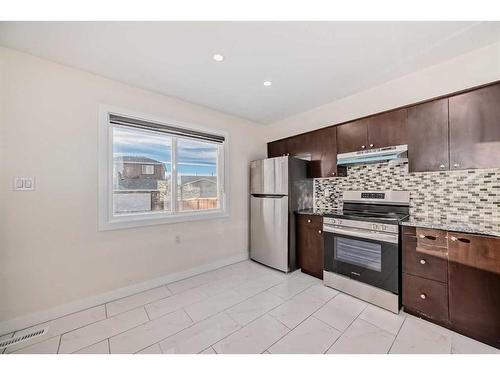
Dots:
{"x": 109, "y": 221}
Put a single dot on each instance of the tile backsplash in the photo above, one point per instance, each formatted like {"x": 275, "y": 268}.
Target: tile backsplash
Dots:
{"x": 453, "y": 195}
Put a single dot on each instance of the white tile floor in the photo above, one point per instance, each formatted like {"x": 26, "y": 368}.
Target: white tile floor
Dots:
{"x": 243, "y": 308}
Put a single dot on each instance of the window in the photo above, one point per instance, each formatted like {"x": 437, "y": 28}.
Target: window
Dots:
{"x": 148, "y": 169}
{"x": 154, "y": 172}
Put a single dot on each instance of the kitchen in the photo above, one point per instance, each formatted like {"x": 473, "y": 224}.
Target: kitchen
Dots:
{"x": 404, "y": 209}
{"x": 250, "y": 187}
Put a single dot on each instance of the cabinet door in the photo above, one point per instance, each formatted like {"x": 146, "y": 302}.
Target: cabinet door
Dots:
{"x": 428, "y": 136}
{"x": 277, "y": 148}
{"x": 323, "y": 152}
{"x": 387, "y": 129}
{"x": 310, "y": 245}
{"x": 320, "y": 145}
{"x": 352, "y": 136}
{"x": 474, "y": 285}
{"x": 475, "y": 129}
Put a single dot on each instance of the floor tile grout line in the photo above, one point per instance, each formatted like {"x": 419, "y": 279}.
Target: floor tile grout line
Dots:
{"x": 292, "y": 329}
{"x": 278, "y": 282}
{"x": 345, "y": 330}
{"x": 382, "y": 329}
{"x": 60, "y": 317}
{"x": 242, "y": 326}
{"x": 146, "y": 311}
{"x": 397, "y": 334}
{"x": 116, "y": 299}
{"x": 72, "y": 330}
{"x": 207, "y": 297}
{"x": 182, "y": 308}
{"x": 59, "y": 345}
{"x": 160, "y": 316}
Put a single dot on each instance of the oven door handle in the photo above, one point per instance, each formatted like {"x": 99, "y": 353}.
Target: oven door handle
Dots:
{"x": 369, "y": 235}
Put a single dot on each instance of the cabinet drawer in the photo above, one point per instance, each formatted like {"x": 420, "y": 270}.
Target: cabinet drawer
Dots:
{"x": 424, "y": 264}
{"x": 430, "y": 238}
{"x": 310, "y": 220}
{"x": 427, "y": 297}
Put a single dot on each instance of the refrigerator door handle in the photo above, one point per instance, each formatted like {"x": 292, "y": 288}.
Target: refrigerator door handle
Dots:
{"x": 275, "y": 196}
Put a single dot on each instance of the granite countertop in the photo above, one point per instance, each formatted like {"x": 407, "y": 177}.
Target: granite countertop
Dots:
{"x": 491, "y": 228}
{"x": 486, "y": 227}
{"x": 317, "y": 211}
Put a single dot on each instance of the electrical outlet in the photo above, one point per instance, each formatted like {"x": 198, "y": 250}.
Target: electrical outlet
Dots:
{"x": 177, "y": 239}
{"x": 24, "y": 183}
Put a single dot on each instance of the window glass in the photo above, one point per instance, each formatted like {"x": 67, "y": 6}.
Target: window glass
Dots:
{"x": 197, "y": 182}
{"x": 142, "y": 171}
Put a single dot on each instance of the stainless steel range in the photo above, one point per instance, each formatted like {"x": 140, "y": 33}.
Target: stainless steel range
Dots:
{"x": 362, "y": 246}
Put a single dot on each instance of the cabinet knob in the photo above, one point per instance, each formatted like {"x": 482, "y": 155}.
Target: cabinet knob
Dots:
{"x": 423, "y": 296}
{"x": 421, "y": 236}
{"x": 422, "y": 261}
{"x": 453, "y": 238}
{"x": 363, "y": 147}
{"x": 371, "y": 144}
{"x": 319, "y": 231}
{"x": 308, "y": 220}
{"x": 441, "y": 166}
{"x": 333, "y": 173}
{"x": 456, "y": 165}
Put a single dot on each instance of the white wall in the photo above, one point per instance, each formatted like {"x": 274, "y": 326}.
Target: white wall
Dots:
{"x": 51, "y": 252}
{"x": 472, "y": 69}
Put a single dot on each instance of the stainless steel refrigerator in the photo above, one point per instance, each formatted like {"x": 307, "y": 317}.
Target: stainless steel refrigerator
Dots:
{"x": 278, "y": 188}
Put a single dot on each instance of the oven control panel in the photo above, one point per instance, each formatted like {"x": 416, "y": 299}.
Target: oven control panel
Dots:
{"x": 331, "y": 220}
{"x": 377, "y": 227}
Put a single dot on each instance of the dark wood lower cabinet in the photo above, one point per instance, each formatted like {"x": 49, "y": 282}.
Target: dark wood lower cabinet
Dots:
{"x": 310, "y": 244}
{"x": 467, "y": 299}
{"x": 474, "y": 278}
{"x": 426, "y": 297}
{"x": 475, "y": 303}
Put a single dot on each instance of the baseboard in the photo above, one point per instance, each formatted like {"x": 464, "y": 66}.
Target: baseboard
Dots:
{"x": 29, "y": 320}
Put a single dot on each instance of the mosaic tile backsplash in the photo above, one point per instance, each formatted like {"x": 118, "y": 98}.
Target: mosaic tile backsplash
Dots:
{"x": 469, "y": 195}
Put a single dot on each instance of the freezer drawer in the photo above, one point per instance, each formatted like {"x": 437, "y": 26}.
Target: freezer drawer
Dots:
{"x": 269, "y": 231}
{"x": 269, "y": 176}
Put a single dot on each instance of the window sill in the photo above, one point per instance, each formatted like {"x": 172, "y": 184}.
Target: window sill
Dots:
{"x": 134, "y": 221}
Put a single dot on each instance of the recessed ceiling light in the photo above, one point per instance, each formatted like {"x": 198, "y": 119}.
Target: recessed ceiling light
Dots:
{"x": 267, "y": 83}
{"x": 218, "y": 57}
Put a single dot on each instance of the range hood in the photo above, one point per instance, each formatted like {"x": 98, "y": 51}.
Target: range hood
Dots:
{"x": 373, "y": 155}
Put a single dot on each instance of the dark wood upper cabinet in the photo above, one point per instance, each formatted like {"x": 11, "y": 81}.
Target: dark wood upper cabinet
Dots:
{"x": 428, "y": 136}
{"x": 323, "y": 152}
{"x": 277, "y": 148}
{"x": 475, "y": 129}
{"x": 320, "y": 145}
{"x": 352, "y": 136}
{"x": 387, "y": 129}
{"x": 456, "y": 132}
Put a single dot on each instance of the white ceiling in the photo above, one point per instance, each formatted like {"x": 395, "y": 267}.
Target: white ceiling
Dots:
{"x": 309, "y": 63}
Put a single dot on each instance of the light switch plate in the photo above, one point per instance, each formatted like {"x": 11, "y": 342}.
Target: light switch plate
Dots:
{"x": 24, "y": 183}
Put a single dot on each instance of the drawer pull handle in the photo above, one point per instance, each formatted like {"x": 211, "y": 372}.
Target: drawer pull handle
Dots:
{"x": 422, "y": 261}
{"x": 423, "y": 296}
{"x": 308, "y": 220}
{"x": 427, "y": 237}
{"x": 464, "y": 240}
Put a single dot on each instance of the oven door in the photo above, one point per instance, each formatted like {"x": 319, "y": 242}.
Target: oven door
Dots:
{"x": 367, "y": 256}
